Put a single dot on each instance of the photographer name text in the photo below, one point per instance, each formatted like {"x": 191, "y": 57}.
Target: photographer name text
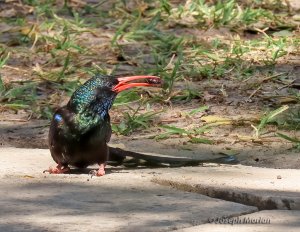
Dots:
{"x": 238, "y": 220}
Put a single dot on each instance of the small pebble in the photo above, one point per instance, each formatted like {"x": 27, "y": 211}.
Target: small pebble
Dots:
{"x": 279, "y": 177}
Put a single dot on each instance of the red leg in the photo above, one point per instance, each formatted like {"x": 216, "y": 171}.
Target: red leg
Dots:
{"x": 59, "y": 169}
{"x": 100, "y": 172}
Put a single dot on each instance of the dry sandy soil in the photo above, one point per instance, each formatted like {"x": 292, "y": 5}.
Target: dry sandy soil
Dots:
{"x": 233, "y": 105}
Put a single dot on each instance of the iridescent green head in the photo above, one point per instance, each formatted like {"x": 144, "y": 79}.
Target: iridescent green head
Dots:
{"x": 90, "y": 103}
{"x": 96, "y": 96}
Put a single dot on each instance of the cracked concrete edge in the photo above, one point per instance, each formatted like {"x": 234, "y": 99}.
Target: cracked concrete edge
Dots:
{"x": 237, "y": 196}
{"x": 242, "y": 184}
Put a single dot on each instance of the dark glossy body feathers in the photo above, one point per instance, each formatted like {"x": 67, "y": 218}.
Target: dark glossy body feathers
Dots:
{"x": 79, "y": 132}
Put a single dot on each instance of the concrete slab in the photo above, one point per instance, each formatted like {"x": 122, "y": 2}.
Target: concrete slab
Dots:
{"x": 122, "y": 200}
{"x": 262, "y": 187}
{"x": 263, "y": 221}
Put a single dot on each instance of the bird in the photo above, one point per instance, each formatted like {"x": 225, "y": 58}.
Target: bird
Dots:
{"x": 80, "y": 130}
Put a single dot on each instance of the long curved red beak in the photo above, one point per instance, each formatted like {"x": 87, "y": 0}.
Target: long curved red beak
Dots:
{"x": 126, "y": 82}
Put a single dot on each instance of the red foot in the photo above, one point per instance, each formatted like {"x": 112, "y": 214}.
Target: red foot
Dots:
{"x": 59, "y": 169}
{"x": 100, "y": 172}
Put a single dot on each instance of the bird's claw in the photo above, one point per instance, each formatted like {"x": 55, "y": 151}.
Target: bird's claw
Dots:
{"x": 97, "y": 173}
{"x": 93, "y": 173}
{"x": 59, "y": 169}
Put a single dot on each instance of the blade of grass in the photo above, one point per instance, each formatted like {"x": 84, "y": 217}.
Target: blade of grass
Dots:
{"x": 175, "y": 130}
{"x": 293, "y": 140}
{"x": 198, "y": 110}
{"x": 201, "y": 140}
{"x": 266, "y": 119}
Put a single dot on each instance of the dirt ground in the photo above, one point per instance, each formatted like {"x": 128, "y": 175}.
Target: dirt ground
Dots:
{"x": 234, "y": 138}
{"x": 233, "y": 105}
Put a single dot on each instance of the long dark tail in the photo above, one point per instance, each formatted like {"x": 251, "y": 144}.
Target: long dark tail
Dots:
{"x": 119, "y": 155}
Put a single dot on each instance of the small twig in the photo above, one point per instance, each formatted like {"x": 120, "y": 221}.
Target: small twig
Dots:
{"x": 247, "y": 79}
{"x": 14, "y": 68}
{"x": 13, "y": 120}
{"x": 253, "y": 93}
{"x": 148, "y": 136}
{"x": 286, "y": 85}
{"x": 169, "y": 120}
{"x": 170, "y": 62}
{"x": 34, "y": 42}
{"x": 262, "y": 31}
{"x": 271, "y": 77}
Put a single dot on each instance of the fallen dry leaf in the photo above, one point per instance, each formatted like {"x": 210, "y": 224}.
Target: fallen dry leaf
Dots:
{"x": 216, "y": 119}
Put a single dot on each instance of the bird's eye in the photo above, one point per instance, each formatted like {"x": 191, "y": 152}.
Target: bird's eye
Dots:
{"x": 58, "y": 117}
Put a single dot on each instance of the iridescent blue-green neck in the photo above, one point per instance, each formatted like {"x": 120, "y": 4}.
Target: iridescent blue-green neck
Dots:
{"x": 92, "y": 101}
